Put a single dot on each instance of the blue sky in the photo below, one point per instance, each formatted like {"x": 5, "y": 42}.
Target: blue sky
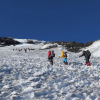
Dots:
{"x": 51, "y": 20}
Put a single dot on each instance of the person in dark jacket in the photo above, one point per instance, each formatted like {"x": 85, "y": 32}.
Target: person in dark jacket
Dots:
{"x": 87, "y": 57}
{"x": 51, "y": 54}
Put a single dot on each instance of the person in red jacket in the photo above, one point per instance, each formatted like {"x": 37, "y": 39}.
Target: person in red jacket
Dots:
{"x": 51, "y": 54}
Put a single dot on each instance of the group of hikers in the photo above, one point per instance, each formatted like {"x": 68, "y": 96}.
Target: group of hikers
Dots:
{"x": 25, "y": 49}
{"x": 51, "y": 55}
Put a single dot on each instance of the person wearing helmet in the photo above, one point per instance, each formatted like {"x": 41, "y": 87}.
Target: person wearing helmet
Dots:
{"x": 64, "y": 55}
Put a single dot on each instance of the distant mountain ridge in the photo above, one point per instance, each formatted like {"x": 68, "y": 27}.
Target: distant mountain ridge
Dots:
{"x": 70, "y": 46}
{"x": 7, "y": 41}
{"x": 29, "y": 41}
{"x": 74, "y": 46}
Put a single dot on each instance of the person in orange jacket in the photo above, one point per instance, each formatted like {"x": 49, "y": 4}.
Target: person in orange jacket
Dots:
{"x": 64, "y": 55}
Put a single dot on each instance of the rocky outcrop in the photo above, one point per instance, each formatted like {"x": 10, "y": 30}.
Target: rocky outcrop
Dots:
{"x": 74, "y": 46}
{"x": 6, "y": 41}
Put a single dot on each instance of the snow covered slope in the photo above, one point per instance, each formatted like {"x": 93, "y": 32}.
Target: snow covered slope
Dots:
{"x": 95, "y": 48}
{"x": 29, "y": 76}
{"x": 49, "y": 45}
{"x": 26, "y": 40}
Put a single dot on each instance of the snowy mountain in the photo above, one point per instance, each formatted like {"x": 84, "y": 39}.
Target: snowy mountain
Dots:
{"x": 29, "y": 41}
{"x": 29, "y": 76}
{"x": 7, "y": 41}
{"x": 94, "y": 48}
{"x": 70, "y": 46}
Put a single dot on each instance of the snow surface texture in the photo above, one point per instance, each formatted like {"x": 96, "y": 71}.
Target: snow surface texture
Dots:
{"x": 26, "y": 40}
{"x": 29, "y": 76}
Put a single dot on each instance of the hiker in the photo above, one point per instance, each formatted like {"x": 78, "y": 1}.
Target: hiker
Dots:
{"x": 29, "y": 49}
{"x": 25, "y": 50}
{"x": 51, "y": 54}
{"x": 19, "y": 50}
{"x": 64, "y": 55}
{"x": 87, "y": 55}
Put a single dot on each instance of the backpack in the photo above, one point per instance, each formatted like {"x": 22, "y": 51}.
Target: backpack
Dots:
{"x": 65, "y": 55}
{"x": 88, "y": 53}
{"x": 49, "y": 53}
{"x": 53, "y": 54}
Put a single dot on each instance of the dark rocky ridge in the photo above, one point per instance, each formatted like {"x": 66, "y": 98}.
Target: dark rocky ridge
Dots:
{"x": 7, "y": 41}
{"x": 74, "y": 46}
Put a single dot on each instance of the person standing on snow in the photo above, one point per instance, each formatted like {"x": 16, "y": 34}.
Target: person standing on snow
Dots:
{"x": 87, "y": 55}
{"x": 64, "y": 55}
{"x": 25, "y": 50}
{"x": 51, "y": 54}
